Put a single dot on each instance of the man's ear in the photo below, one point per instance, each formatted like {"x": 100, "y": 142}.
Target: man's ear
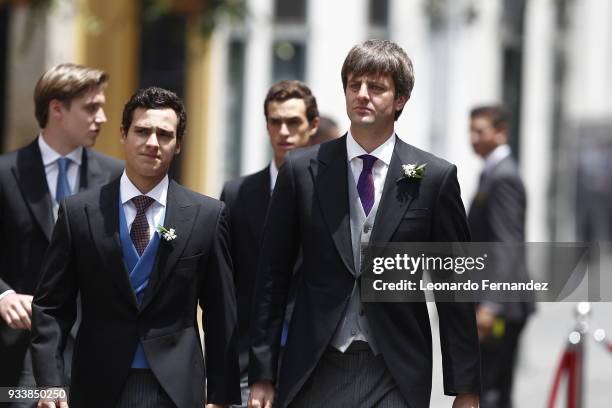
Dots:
{"x": 179, "y": 144}
{"x": 400, "y": 102}
{"x": 314, "y": 126}
{"x": 56, "y": 108}
{"x": 501, "y": 136}
{"x": 123, "y": 134}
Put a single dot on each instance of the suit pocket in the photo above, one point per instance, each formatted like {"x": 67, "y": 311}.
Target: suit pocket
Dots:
{"x": 186, "y": 265}
{"x": 416, "y": 213}
{"x": 414, "y": 227}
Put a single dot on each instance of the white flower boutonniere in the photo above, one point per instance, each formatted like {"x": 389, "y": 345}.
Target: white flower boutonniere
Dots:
{"x": 413, "y": 171}
{"x": 167, "y": 234}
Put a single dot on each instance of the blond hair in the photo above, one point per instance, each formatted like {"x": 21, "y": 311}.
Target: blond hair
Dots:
{"x": 64, "y": 82}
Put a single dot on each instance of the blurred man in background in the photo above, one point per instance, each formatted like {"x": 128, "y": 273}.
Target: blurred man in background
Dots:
{"x": 292, "y": 118}
{"x": 69, "y": 106}
{"x": 328, "y": 130}
{"x": 497, "y": 214}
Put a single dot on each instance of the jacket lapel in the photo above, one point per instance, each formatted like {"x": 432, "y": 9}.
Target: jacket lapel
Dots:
{"x": 104, "y": 225}
{"x": 259, "y": 195}
{"x": 92, "y": 174}
{"x": 397, "y": 194}
{"x": 32, "y": 180}
{"x": 180, "y": 215}
{"x": 330, "y": 172}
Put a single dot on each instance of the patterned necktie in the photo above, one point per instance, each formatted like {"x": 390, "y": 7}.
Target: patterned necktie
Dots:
{"x": 140, "y": 226}
{"x": 365, "y": 185}
{"x": 62, "y": 189}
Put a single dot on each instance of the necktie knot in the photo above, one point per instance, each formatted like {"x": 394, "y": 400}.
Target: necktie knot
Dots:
{"x": 63, "y": 163}
{"x": 142, "y": 202}
{"x": 368, "y": 161}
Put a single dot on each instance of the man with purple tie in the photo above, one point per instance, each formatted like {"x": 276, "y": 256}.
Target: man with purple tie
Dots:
{"x": 328, "y": 201}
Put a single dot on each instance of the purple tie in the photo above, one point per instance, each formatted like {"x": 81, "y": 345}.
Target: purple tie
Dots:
{"x": 140, "y": 226}
{"x": 365, "y": 185}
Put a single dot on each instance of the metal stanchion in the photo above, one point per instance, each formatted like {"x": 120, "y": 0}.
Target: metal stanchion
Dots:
{"x": 572, "y": 363}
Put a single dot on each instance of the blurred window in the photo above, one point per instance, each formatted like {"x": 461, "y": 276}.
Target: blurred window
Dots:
{"x": 162, "y": 60}
{"x": 513, "y": 19}
{"x": 234, "y": 109}
{"x": 378, "y": 18}
{"x": 288, "y": 60}
{"x": 378, "y": 13}
{"x": 290, "y": 11}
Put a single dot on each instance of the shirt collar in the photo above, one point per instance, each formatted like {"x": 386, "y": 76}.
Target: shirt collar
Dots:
{"x": 273, "y": 174}
{"x": 49, "y": 155}
{"x": 497, "y": 155}
{"x": 128, "y": 190}
{"x": 382, "y": 152}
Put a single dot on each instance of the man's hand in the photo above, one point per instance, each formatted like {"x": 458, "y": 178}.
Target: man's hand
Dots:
{"x": 262, "y": 395}
{"x": 53, "y": 403}
{"x": 485, "y": 319}
{"x": 16, "y": 311}
{"x": 466, "y": 401}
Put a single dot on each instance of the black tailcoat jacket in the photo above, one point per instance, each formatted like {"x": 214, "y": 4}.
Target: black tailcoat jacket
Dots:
{"x": 85, "y": 255}
{"x": 26, "y": 224}
{"x": 311, "y": 211}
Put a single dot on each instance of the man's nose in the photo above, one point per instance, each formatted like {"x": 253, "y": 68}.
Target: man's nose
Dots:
{"x": 100, "y": 116}
{"x": 363, "y": 91}
{"x": 284, "y": 129}
{"x": 152, "y": 140}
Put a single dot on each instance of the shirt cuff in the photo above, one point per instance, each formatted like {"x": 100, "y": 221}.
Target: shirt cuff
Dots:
{"x": 6, "y": 292}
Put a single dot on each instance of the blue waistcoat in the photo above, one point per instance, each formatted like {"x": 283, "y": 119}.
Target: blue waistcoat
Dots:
{"x": 140, "y": 268}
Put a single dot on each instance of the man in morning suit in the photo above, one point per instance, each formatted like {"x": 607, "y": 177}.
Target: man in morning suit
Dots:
{"x": 497, "y": 214}
{"x": 143, "y": 251}
{"x": 292, "y": 118}
{"x": 329, "y": 199}
{"x": 69, "y": 102}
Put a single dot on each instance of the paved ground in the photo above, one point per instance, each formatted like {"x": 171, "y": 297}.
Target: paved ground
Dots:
{"x": 543, "y": 342}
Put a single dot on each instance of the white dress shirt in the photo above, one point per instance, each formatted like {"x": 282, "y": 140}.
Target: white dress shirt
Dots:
{"x": 273, "y": 175}
{"x": 49, "y": 159}
{"x": 498, "y": 154}
{"x": 157, "y": 210}
{"x": 383, "y": 153}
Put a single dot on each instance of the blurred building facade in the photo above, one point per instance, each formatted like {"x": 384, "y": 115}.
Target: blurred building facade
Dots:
{"x": 550, "y": 61}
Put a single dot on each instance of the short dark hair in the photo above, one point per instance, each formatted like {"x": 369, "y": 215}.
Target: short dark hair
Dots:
{"x": 155, "y": 98}
{"x": 328, "y": 130}
{"x": 499, "y": 115}
{"x": 64, "y": 82}
{"x": 381, "y": 57}
{"x": 292, "y": 89}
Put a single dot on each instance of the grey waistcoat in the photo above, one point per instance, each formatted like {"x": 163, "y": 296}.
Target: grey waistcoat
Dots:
{"x": 354, "y": 323}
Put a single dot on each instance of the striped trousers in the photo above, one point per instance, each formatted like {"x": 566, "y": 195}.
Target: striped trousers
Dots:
{"x": 353, "y": 379}
{"x": 142, "y": 390}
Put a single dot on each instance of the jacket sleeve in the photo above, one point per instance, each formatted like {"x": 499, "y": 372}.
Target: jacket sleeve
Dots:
{"x": 458, "y": 332}
{"x": 54, "y": 305}
{"x": 218, "y": 302}
{"x": 277, "y": 260}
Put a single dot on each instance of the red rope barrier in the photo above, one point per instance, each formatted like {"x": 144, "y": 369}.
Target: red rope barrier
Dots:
{"x": 568, "y": 366}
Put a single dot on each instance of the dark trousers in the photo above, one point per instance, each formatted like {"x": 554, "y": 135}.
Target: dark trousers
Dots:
{"x": 142, "y": 390}
{"x": 498, "y": 359}
{"x": 355, "y": 378}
